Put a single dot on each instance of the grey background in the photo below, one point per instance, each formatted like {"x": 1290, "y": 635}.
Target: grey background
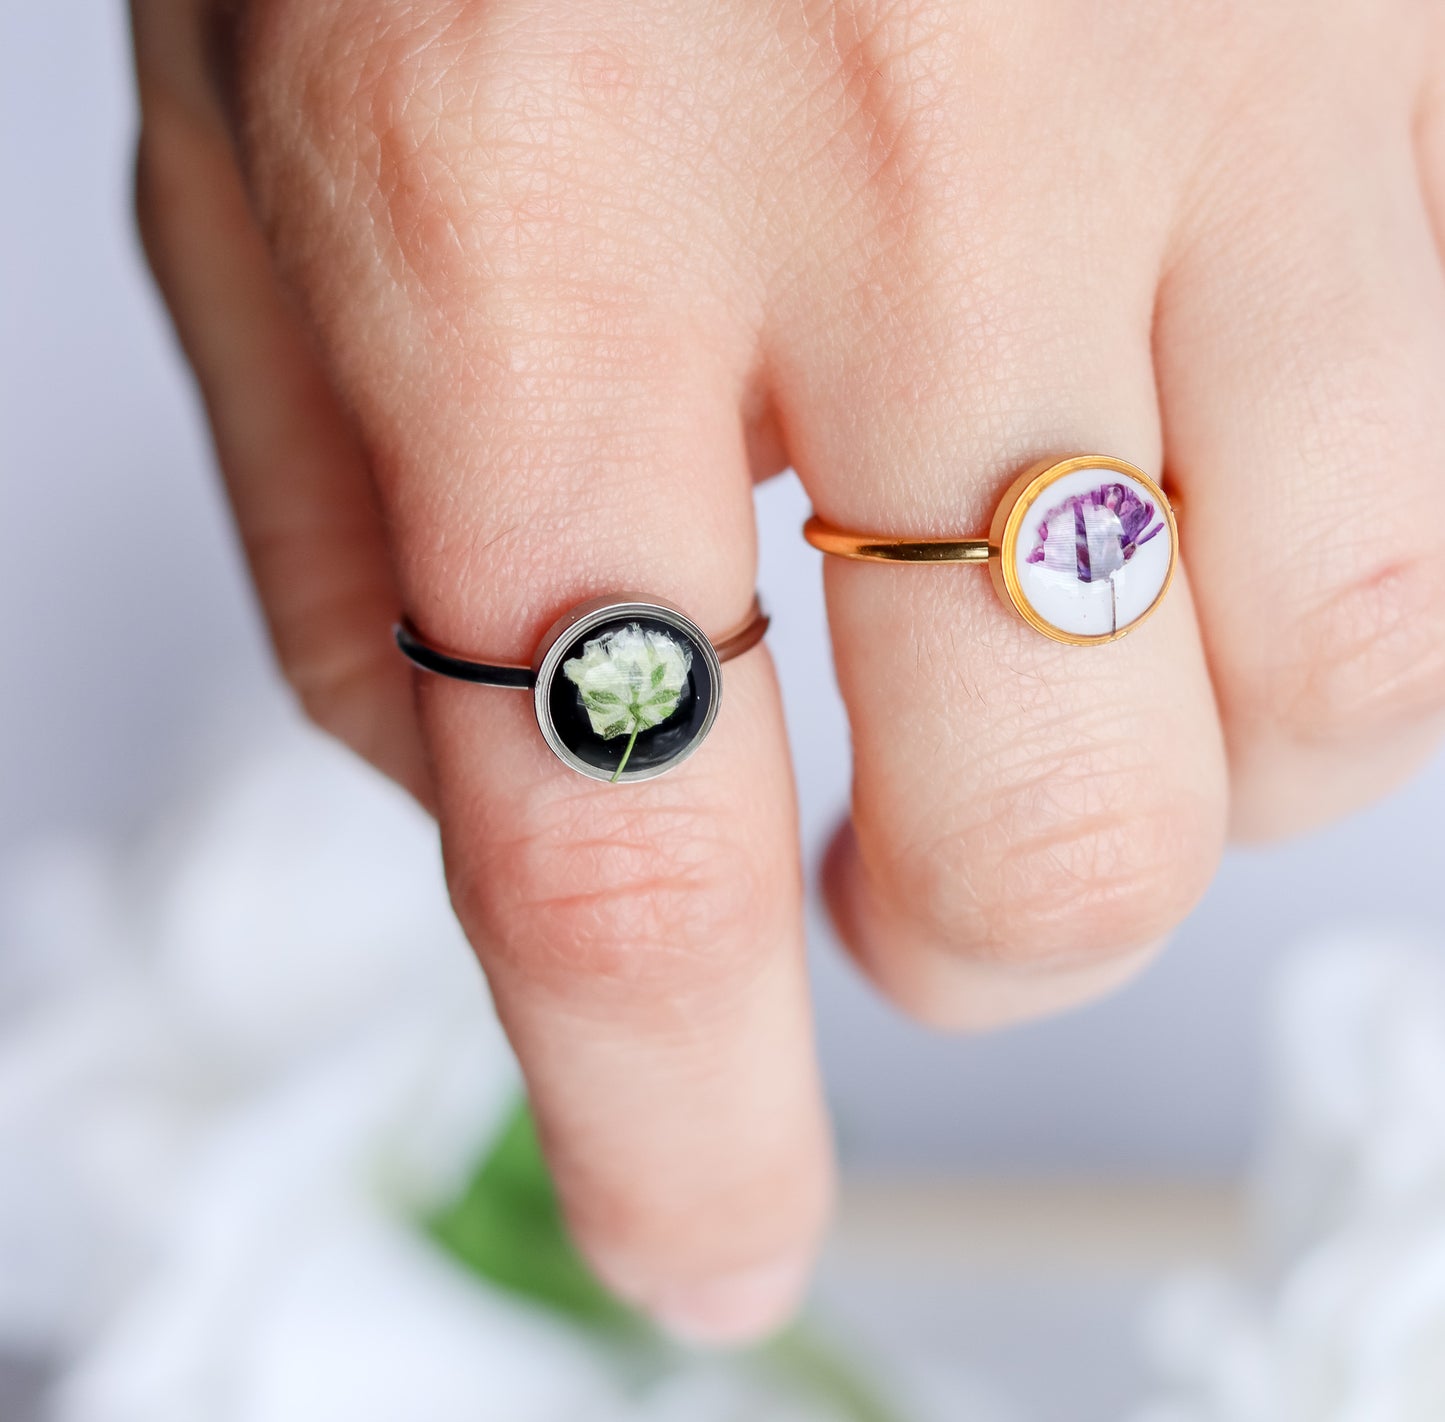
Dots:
{"x": 130, "y": 652}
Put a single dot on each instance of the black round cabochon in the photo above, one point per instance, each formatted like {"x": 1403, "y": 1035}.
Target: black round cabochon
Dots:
{"x": 632, "y": 688}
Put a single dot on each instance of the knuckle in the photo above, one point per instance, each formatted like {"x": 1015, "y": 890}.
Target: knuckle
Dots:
{"x": 1072, "y": 866}
{"x": 302, "y": 83}
{"x": 146, "y": 202}
{"x": 661, "y": 900}
{"x": 456, "y": 134}
{"x": 162, "y": 175}
{"x": 1369, "y": 658}
{"x": 333, "y": 691}
{"x": 329, "y": 632}
{"x": 335, "y": 681}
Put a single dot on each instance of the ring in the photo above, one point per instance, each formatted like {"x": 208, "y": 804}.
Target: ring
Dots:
{"x": 624, "y": 688}
{"x": 1083, "y": 549}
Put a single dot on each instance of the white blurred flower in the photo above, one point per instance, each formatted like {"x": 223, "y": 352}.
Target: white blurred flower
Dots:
{"x": 243, "y": 1060}
{"x": 1348, "y": 1321}
{"x": 256, "y": 1028}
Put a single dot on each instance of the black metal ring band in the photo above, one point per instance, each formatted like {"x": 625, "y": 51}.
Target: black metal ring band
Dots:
{"x": 419, "y": 654}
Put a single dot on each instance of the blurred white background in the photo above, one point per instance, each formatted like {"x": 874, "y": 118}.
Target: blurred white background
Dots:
{"x": 132, "y": 660}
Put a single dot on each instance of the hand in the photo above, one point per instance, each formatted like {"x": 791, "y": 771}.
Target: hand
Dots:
{"x": 562, "y": 280}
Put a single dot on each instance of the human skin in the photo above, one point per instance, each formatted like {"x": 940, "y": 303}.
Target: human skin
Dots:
{"x": 497, "y": 305}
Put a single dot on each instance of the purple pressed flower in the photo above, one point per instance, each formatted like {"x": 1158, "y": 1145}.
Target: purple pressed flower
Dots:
{"x": 1093, "y": 535}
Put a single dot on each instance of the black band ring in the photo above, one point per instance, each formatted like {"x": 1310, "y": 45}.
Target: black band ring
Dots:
{"x": 428, "y": 658}
{"x": 624, "y": 688}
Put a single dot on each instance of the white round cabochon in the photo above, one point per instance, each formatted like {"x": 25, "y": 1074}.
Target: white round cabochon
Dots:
{"x": 1093, "y": 553}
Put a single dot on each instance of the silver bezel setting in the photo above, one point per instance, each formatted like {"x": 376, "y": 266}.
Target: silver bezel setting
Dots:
{"x": 577, "y": 624}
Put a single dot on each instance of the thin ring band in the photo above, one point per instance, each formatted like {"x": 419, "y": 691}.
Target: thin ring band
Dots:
{"x": 877, "y": 548}
{"x": 430, "y": 659}
{"x": 421, "y": 653}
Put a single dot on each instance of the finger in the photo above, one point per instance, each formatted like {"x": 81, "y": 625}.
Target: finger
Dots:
{"x": 293, "y": 468}
{"x": 1429, "y": 137}
{"x": 1301, "y": 347}
{"x": 1027, "y": 816}
{"x": 549, "y": 390}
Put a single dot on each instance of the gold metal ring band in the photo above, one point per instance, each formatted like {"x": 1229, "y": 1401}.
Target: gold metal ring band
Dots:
{"x": 878, "y": 548}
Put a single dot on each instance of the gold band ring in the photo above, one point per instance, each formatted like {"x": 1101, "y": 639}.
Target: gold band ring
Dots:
{"x": 873, "y": 548}
{"x": 1083, "y": 549}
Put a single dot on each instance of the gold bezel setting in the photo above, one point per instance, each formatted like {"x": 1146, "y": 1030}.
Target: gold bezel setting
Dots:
{"x": 1008, "y": 521}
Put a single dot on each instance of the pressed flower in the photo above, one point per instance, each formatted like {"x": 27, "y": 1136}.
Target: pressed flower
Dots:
{"x": 630, "y": 679}
{"x": 1093, "y": 535}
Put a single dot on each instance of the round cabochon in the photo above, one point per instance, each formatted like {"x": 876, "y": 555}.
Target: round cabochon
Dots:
{"x": 627, "y": 690}
{"x": 1089, "y": 549}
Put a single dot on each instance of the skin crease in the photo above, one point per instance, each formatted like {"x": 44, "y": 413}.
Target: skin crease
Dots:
{"x": 499, "y": 306}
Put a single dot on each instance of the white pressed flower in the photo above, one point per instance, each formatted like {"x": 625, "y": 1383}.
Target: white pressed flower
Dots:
{"x": 630, "y": 680}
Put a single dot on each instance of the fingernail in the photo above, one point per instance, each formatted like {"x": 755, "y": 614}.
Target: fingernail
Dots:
{"x": 731, "y": 1309}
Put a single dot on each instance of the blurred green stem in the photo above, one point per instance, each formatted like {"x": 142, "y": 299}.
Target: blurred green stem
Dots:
{"x": 506, "y": 1226}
